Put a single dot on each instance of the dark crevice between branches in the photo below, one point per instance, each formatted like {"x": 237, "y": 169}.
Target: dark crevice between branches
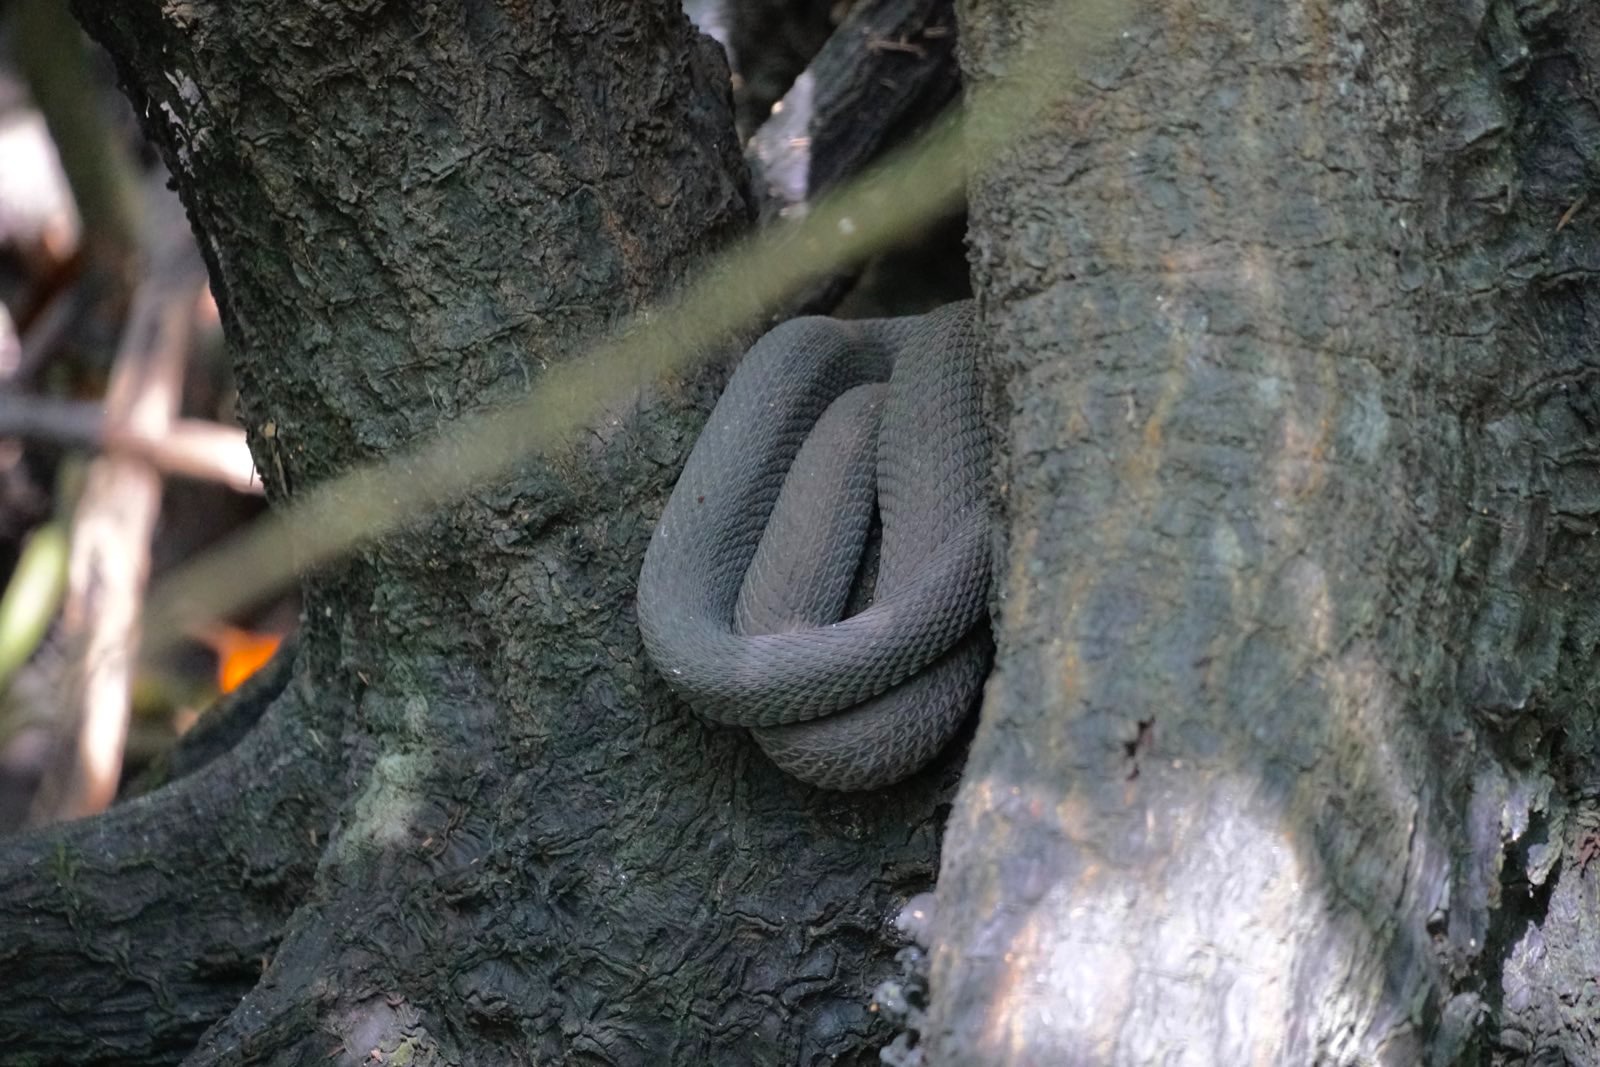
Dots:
{"x": 221, "y": 728}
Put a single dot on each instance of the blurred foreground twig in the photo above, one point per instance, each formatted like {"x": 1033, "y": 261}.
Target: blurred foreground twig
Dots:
{"x": 54, "y": 57}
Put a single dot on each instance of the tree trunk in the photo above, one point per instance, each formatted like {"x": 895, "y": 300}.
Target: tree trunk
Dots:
{"x": 1289, "y": 753}
{"x": 474, "y": 827}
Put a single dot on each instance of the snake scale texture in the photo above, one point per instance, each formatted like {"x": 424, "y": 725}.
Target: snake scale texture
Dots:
{"x": 746, "y": 582}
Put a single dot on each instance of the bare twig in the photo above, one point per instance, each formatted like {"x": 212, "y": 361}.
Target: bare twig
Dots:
{"x": 884, "y": 44}
{"x": 192, "y": 448}
{"x": 1571, "y": 212}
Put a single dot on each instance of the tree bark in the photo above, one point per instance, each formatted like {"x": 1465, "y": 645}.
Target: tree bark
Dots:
{"x": 125, "y": 935}
{"x": 1290, "y": 748}
{"x": 488, "y": 833}
{"x": 1290, "y": 751}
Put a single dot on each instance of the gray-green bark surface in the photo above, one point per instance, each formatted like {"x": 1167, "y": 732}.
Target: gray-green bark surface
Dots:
{"x": 1293, "y": 710}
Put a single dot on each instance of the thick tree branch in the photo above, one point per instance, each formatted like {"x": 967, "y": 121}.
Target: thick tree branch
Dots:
{"x": 889, "y": 66}
{"x": 412, "y": 213}
{"x": 1240, "y": 786}
{"x": 124, "y": 936}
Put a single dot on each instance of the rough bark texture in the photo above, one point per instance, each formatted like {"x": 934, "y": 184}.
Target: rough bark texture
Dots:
{"x": 523, "y": 851}
{"x": 1290, "y": 752}
{"x": 124, "y": 936}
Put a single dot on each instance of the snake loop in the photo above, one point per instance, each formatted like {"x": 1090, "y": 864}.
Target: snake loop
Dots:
{"x": 753, "y": 561}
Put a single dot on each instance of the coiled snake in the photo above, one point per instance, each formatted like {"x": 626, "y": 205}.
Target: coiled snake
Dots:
{"x": 753, "y": 561}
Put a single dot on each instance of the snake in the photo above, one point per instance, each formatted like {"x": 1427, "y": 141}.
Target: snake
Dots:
{"x": 750, "y": 598}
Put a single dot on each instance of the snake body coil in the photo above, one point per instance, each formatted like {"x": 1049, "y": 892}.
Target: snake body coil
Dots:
{"x": 755, "y": 556}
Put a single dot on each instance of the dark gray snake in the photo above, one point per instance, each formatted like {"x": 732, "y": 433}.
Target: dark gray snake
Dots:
{"x": 754, "y": 560}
